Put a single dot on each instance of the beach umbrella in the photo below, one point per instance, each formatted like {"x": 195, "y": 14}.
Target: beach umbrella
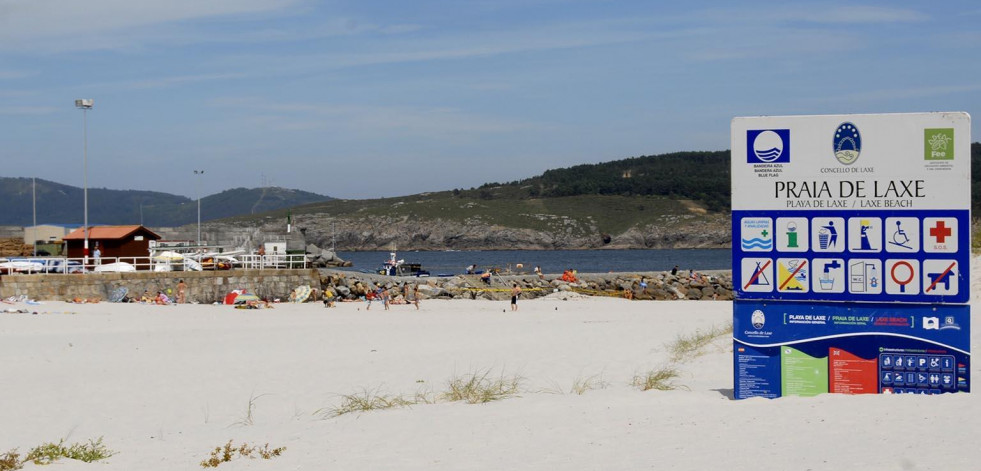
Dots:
{"x": 300, "y": 294}
{"x": 118, "y": 294}
{"x": 168, "y": 256}
{"x": 244, "y": 298}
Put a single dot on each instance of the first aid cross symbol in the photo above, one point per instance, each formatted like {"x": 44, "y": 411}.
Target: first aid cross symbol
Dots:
{"x": 940, "y": 231}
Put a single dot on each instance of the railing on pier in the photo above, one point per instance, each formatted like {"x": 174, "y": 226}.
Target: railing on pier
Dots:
{"x": 66, "y": 265}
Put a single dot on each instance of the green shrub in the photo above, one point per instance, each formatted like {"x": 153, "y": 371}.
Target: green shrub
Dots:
{"x": 225, "y": 453}
{"x": 48, "y": 453}
{"x": 10, "y": 461}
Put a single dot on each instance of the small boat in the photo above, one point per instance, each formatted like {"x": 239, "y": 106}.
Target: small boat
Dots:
{"x": 118, "y": 267}
{"x": 21, "y": 266}
{"x": 395, "y": 267}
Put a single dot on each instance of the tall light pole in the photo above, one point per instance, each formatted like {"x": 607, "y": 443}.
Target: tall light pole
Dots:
{"x": 85, "y": 105}
{"x": 198, "y": 189}
{"x": 34, "y": 208}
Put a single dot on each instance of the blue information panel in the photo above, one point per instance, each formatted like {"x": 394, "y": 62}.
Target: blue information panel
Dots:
{"x": 913, "y": 256}
{"x": 806, "y": 348}
{"x": 851, "y": 254}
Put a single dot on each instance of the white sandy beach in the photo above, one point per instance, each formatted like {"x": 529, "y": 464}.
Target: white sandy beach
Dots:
{"x": 164, "y": 385}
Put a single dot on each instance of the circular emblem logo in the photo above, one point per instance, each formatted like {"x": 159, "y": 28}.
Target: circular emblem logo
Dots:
{"x": 767, "y": 146}
{"x": 758, "y": 319}
{"x": 848, "y": 143}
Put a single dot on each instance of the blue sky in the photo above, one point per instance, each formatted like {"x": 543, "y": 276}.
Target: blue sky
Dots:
{"x": 371, "y": 99}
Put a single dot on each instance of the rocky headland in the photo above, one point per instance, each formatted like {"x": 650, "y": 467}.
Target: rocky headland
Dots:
{"x": 404, "y": 233}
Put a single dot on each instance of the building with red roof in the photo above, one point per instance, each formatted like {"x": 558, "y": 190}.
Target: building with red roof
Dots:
{"x": 113, "y": 241}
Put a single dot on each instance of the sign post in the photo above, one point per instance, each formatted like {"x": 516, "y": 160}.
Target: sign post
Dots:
{"x": 851, "y": 254}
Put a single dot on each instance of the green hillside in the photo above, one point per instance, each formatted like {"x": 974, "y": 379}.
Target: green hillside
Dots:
{"x": 615, "y": 194}
{"x": 599, "y": 198}
{"x": 63, "y": 204}
{"x": 609, "y": 197}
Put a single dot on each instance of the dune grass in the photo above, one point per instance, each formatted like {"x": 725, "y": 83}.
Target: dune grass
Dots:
{"x": 684, "y": 349}
{"x": 689, "y": 347}
{"x": 249, "y": 418}
{"x": 660, "y": 379}
{"x": 480, "y": 387}
{"x": 225, "y": 453}
{"x": 368, "y": 400}
{"x": 474, "y": 388}
{"x": 581, "y": 385}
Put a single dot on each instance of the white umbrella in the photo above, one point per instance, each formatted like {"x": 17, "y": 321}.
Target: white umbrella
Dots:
{"x": 168, "y": 256}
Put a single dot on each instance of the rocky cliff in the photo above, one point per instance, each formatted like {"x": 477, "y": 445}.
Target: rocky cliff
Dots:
{"x": 382, "y": 233}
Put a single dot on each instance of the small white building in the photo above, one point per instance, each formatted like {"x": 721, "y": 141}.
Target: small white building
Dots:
{"x": 47, "y": 233}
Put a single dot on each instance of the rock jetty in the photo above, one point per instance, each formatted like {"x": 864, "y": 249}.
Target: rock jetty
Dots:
{"x": 713, "y": 285}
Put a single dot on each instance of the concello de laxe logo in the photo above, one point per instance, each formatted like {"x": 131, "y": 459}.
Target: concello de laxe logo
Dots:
{"x": 847, "y": 143}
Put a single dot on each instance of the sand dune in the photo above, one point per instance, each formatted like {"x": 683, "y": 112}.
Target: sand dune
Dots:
{"x": 164, "y": 385}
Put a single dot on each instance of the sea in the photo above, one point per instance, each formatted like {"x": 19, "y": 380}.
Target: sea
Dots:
{"x": 550, "y": 261}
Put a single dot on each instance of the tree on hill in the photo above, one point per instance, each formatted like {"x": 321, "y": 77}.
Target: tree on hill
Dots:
{"x": 699, "y": 176}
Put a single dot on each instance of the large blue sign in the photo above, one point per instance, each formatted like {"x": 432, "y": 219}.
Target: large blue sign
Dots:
{"x": 795, "y": 348}
{"x": 851, "y": 254}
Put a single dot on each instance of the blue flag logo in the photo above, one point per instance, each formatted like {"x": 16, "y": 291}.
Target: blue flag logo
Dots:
{"x": 768, "y": 146}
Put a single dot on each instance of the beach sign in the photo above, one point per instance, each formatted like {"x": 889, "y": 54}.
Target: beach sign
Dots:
{"x": 851, "y": 240}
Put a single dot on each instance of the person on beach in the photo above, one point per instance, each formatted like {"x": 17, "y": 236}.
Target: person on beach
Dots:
{"x": 485, "y": 277}
{"x": 369, "y": 296}
{"x": 406, "y": 293}
{"x": 415, "y": 296}
{"x": 328, "y": 297}
{"x": 161, "y": 299}
{"x": 472, "y": 269}
{"x": 515, "y": 291}
{"x": 97, "y": 255}
{"x": 674, "y": 271}
{"x": 385, "y": 295}
{"x": 538, "y": 271}
{"x": 181, "y": 292}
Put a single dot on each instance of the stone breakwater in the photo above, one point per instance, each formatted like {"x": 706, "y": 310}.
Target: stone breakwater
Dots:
{"x": 209, "y": 287}
{"x": 713, "y": 285}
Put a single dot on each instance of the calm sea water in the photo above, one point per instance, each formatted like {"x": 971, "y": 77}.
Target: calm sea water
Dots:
{"x": 553, "y": 261}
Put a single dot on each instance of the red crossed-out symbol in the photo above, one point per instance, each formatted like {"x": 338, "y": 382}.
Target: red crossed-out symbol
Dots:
{"x": 940, "y": 231}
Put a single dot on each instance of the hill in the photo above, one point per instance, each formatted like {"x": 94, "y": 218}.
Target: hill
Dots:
{"x": 58, "y": 203}
{"x": 671, "y": 200}
{"x": 661, "y": 201}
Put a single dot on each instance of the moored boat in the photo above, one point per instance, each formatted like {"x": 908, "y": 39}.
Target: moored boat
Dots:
{"x": 396, "y": 267}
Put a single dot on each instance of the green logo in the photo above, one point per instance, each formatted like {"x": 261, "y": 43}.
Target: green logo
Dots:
{"x": 938, "y": 144}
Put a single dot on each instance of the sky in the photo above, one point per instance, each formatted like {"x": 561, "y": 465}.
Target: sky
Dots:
{"x": 368, "y": 99}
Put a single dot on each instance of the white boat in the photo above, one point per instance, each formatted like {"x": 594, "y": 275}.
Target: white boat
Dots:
{"x": 117, "y": 267}
{"x": 22, "y": 266}
{"x": 395, "y": 266}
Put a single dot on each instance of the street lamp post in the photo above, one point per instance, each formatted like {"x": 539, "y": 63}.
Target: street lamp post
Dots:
{"x": 198, "y": 185}
{"x": 34, "y": 208}
{"x": 85, "y": 105}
